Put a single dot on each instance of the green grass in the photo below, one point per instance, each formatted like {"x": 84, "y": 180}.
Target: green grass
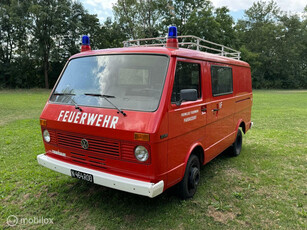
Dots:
{"x": 264, "y": 188}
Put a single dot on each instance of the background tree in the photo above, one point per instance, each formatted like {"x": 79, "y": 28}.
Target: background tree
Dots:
{"x": 258, "y": 35}
{"x": 38, "y": 36}
{"x": 111, "y": 35}
{"x": 14, "y": 21}
{"x": 179, "y": 13}
{"x": 139, "y": 18}
{"x": 271, "y": 41}
{"x": 201, "y": 22}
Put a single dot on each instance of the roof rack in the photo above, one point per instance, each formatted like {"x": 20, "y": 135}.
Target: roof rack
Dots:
{"x": 189, "y": 42}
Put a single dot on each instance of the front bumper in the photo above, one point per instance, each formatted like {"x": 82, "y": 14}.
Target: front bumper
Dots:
{"x": 105, "y": 179}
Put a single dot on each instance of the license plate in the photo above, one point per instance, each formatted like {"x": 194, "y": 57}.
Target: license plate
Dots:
{"x": 82, "y": 175}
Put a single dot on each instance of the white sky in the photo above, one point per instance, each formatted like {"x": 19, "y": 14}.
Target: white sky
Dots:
{"x": 285, "y": 5}
{"x": 103, "y": 8}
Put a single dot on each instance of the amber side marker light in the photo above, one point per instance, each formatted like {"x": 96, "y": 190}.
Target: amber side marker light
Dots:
{"x": 141, "y": 136}
{"x": 43, "y": 122}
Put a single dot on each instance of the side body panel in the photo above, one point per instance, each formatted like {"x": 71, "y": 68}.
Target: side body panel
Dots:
{"x": 220, "y": 125}
{"x": 215, "y": 129}
{"x": 243, "y": 96}
{"x": 187, "y": 127}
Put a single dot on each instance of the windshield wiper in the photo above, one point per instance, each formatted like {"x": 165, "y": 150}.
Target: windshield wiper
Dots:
{"x": 76, "y": 105}
{"x": 69, "y": 94}
{"x": 106, "y": 97}
{"x": 64, "y": 94}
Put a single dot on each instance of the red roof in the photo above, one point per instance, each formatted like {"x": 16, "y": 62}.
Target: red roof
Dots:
{"x": 181, "y": 52}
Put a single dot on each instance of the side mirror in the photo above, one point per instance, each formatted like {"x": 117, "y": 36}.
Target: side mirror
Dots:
{"x": 187, "y": 95}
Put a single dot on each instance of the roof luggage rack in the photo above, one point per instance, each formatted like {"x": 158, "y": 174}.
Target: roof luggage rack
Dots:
{"x": 189, "y": 42}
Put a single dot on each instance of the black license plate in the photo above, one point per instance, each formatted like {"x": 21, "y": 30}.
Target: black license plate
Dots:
{"x": 82, "y": 175}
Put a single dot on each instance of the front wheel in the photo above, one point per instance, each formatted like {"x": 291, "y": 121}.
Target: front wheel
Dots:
{"x": 236, "y": 147}
{"x": 187, "y": 187}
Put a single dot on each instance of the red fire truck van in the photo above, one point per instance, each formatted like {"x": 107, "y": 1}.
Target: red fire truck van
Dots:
{"x": 145, "y": 117}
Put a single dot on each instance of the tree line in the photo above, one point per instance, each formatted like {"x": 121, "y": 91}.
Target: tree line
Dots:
{"x": 38, "y": 36}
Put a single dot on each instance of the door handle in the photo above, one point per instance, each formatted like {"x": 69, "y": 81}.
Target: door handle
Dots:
{"x": 203, "y": 109}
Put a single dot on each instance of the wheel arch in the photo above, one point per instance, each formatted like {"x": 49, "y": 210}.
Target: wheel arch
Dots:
{"x": 241, "y": 124}
{"x": 198, "y": 150}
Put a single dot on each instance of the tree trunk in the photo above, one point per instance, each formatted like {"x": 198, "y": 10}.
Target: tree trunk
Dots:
{"x": 46, "y": 69}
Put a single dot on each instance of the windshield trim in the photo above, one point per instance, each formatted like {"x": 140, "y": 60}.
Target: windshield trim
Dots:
{"x": 132, "y": 53}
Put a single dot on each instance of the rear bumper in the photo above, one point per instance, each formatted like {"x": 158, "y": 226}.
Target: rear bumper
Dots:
{"x": 105, "y": 179}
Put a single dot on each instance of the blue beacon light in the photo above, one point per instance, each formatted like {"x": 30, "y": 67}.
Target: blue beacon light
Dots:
{"x": 85, "y": 40}
{"x": 172, "y": 41}
{"x": 172, "y": 32}
{"x": 85, "y": 43}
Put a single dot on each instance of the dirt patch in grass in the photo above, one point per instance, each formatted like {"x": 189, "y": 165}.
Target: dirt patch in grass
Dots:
{"x": 83, "y": 216}
{"x": 26, "y": 196}
{"x": 243, "y": 223}
{"x": 130, "y": 219}
{"x": 222, "y": 217}
{"x": 272, "y": 192}
{"x": 52, "y": 194}
{"x": 233, "y": 173}
{"x": 180, "y": 227}
{"x": 236, "y": 175}
{"x": 89, "y": 227}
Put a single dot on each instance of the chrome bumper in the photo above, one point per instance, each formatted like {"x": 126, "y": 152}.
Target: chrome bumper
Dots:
{"x": 105, "y": 179}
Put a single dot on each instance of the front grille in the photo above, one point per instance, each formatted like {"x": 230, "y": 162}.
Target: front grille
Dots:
{"x": 98, "y": 146}
{"x": 127, "y": 151}
{"x": 99, "y": 149}
{"x": 89, "y": 160}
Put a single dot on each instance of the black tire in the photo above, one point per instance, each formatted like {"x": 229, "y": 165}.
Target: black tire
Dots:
{"x": 188, "y": 186}
{"x": 236, "y": 147}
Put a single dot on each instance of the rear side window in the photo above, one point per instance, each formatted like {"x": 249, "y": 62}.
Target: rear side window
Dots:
{"x": 187, "y": 76}
{"x": 221, "y": 79}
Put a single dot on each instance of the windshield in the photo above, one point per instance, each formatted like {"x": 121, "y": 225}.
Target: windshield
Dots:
{"x": 130, "y": 82}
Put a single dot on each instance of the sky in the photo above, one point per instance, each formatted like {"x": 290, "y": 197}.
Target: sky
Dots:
{"x": 103, "y": 8}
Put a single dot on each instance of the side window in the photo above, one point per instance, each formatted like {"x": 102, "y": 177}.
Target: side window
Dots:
{"x": 221, "y": 79}
{"x": 187, "y": 76}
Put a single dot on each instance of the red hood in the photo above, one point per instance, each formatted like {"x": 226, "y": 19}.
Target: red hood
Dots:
{"x": 99, "y": 121}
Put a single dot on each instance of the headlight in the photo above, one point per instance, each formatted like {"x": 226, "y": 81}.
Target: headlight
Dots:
{"x": 141, "y": 153}
{"x": 46, "y": 135}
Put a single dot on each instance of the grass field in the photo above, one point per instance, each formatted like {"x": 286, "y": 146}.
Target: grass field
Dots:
{"x": 264, "y": 188}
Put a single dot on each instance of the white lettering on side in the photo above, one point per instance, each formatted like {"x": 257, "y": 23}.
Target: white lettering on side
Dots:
{"x": 185, "y": 114}
{"x": 71, "y": 117}
{"x": 84, "y": 115}
{"x": 60, "y": 115}
{"x": 106, "y": 121}
{"x": 65, "y": 116}
{"x": 77, "y": 117}
{"x": 99, "y": 120}
{"x": 91, "y": 118}
{"x": 189, "y": 113}
{"x": 114, "y": 122}
{"x": 194, "y": 111}
{"x": 189, "y": 119}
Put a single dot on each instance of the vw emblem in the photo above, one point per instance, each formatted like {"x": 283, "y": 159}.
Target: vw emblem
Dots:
{"x": 84, "y": 144}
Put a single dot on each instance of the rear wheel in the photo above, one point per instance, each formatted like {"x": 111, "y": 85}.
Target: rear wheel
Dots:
{"x": 236, "y": 147}
{"x": 187, "y": 187}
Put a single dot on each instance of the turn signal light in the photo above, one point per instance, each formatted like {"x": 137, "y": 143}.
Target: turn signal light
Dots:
{"x": 141, "y": 136}
{"x": 43, "y": 122}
